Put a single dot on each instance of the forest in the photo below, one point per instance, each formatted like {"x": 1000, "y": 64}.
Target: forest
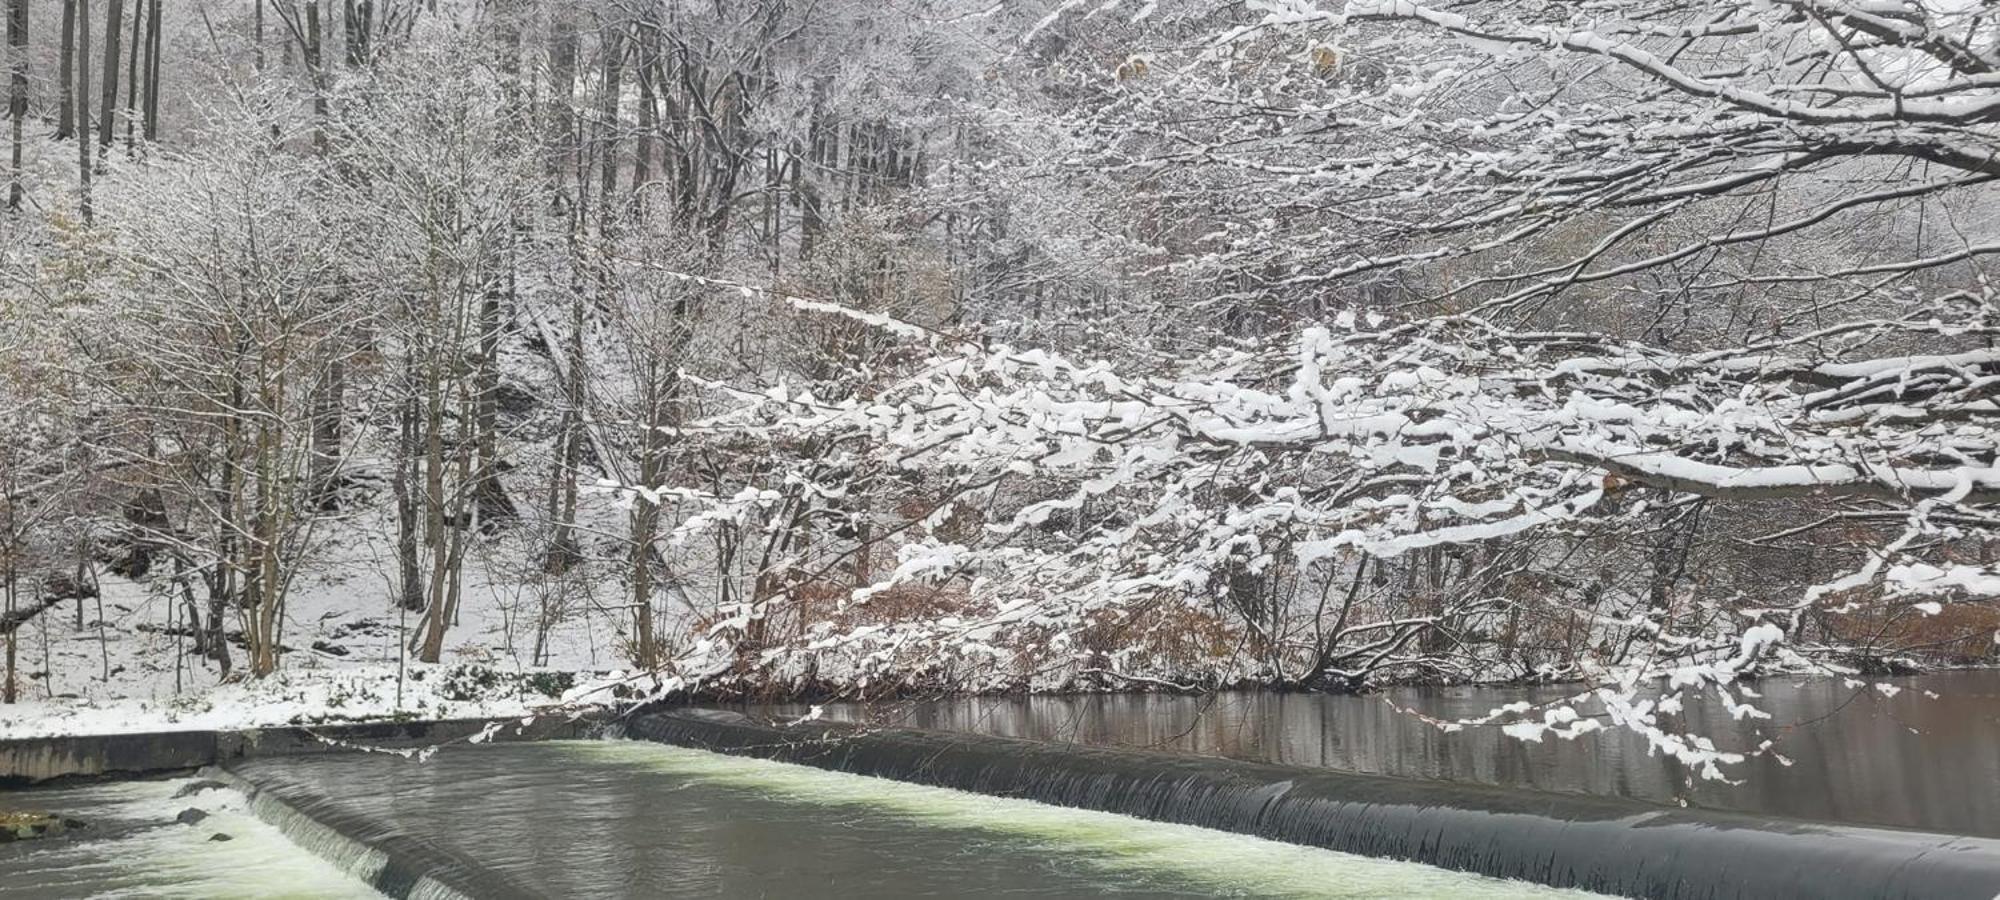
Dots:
{"x": 839, "y": 348}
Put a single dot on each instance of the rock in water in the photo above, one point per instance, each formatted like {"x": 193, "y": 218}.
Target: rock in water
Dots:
{"x": 190, "y": 816}
{"x": 195, "y": 787}
{"x": 219, "y": 836}
{"x": 25, "y": 826}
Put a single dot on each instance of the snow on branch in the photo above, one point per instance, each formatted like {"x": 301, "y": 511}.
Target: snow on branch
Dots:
{"x": 1368, "y": 443}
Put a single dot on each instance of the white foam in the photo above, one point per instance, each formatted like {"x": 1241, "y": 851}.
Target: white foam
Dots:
{"x": 168, "y": 859}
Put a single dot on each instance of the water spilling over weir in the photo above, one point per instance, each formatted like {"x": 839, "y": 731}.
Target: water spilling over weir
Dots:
{"x": 370, "y": 848}
{"x": 1598, "y": 844}
{"x": 133, "y": 845}
{"x": 1912, "y": 756}
{"x": 639, "y": 819}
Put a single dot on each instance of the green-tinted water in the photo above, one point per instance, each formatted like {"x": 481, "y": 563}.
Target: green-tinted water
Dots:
{"x": 636, "y": 819}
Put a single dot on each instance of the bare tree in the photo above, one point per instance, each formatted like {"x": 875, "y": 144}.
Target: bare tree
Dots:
{"x": 107, "y": 125}
{"x": 152, "y": 103}
{"x": 17, "y": 91}
{"x": 83, "y": 109}
{"x": 66, "y": 74}
{"x": 140, "y": 44}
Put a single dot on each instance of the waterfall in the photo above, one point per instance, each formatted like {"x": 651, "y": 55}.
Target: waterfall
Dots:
{"x": 1594, "y": 843}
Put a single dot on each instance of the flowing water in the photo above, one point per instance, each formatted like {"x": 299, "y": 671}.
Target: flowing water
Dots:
{"x": 133, "y": 847}
{"x": 635, "y": 819}
{"x": 1925, "y": 754}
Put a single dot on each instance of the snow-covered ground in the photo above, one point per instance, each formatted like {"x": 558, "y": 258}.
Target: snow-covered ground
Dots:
{"x": 347, "y": 658}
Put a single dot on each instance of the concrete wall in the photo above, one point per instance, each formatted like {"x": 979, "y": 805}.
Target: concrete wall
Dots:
{"x": 25, "y": 761}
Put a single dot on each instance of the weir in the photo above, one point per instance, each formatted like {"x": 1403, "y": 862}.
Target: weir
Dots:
{"x": 1593, "y": 843}
{"x": 371, "y": 850}
{"x": 398, "y": 864}
{"x": 164, "y": 838}
{"x": 640, "y": 819}
{"x": 33, "y": 760}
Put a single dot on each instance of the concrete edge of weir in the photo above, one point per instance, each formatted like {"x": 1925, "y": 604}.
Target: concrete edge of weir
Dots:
{"x": 33, "y": 760}
{"x": 397, "y": 864}
{"x": 1607, "y": 845}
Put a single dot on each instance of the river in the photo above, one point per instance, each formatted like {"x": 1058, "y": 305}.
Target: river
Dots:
{"x": 132, "y": 846}
{"x": 604, "y": 819}
{"x": 1923, "y": 754}
{"x": 636, "y": 819}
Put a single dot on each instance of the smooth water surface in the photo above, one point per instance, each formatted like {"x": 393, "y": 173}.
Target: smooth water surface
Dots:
{"x": 1848, "y": 753}
{"x": 133, "y": 847}
{"x": 636, "y": 819}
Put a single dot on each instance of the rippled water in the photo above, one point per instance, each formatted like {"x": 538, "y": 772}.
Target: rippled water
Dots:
{"x": 1850, "y": 753}
{"x": 635, "y": 819}
{"x": 134, "y": 848}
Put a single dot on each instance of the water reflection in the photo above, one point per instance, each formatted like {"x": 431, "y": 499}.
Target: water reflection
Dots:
{"x": 1852, "y": 754}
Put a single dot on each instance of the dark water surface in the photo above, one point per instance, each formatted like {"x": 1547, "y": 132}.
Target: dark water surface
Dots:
{"x": 636, "y": 819}
{"x": 1856, "y": 753}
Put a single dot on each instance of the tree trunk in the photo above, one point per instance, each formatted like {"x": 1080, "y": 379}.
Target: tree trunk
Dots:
{"x": 17, "y": 102}
{"x": 563, "y": 550}
{"x": 410, "y": 580}
{"x": 864, "y": 538}
{"x": 222, "y": 587}
{"x": 645, "y": 520}
{"x": 349, "y": 18}
{"x": 152, "y": 111}
{"x": 83, "y": 107}
{"x": 642, "y": 153}
{"x": 328, "y": 402}
{"x": 316, "y": 72}
{"x": 66, "y": 74}
{"x": 807, "y": 170}
{"x": 139, "y": 44}
{"x": 438, "y": 527}
{"x": 366, "y": 31}
{"x": 560, "y": 148}
{"x": 613, "y": 48}
{"x": 329, "y": 398}
{"x": 490, "y": 501}
{"x": 562, "y": 90}
{"x": 107, "y": 125}
{"x": 463, "y": 479}
{"x": 264, "y": 613}
{"x": 8, "y": 689}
